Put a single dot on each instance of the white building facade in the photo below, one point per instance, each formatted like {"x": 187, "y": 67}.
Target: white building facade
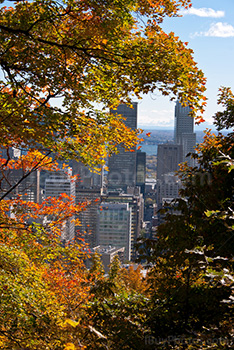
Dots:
{"x": 57, "y": 183}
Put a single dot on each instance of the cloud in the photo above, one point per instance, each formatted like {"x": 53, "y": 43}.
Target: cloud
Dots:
{"x": 159, "y": 118}
{"x": 219, "y": 30}
{"x": 203, "y": 12}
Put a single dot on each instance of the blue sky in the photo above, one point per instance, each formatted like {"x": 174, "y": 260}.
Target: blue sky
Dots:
{"x": 209, "y": 28}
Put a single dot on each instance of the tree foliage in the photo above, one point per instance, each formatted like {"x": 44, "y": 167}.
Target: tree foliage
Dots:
{"x": 192, "y": 277}
{"x": 28, "y": 308}
{"x": 58, "y": 60}
{"x": 86, "y": 52}
{"x": 120, "y": 311}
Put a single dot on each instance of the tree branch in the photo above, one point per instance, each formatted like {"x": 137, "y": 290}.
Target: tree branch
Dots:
{"x": 24, "y": 177}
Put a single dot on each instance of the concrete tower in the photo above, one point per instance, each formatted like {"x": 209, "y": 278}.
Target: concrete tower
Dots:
{"x": 122, "y": 166}
{"x": 184, "y": 131}
{"x": 168, "y": 159}
{"x": 115, "y": 226}
{"x": 57, "y": 183}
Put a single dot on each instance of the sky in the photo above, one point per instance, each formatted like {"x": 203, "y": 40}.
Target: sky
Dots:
{"x": 208, "y": 27}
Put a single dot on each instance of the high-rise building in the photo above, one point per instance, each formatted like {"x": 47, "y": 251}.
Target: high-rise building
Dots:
{"x": 57, "y": 183}
{"x": 171, "y": 155}
{"x": 88, "y": 217}
{"x": 167, "y": 189}
{"x": 184, "y": 131}
{"x": 141, "y": 170}
{"x": 122, "y": 166}
{"x": 168, "y": 159}
{"x": 88, "y": 189}
{"x": 85, "y": 177}
{"x": 115, "y": 226}
{"x": 16, "y": 182}
{"x": 184, "y": 123}
{"x": 136, "y": 203}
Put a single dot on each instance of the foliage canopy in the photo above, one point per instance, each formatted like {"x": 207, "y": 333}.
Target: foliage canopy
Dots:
{"x": 191, "y": 281}
{"x": 82, "y": 53}
{"x": 58, "y": 59}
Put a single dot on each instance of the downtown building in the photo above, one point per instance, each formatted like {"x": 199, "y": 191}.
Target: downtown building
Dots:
{"x": 184, "y": 134}
{"x": 135, "y": 201}
{"x": 168, "y": 184}
{"x": 171, "y": 155}
{"x": 15, "y": 182}
{"x": 126, "y": 181}
{"x": 123, "y": 201}
{"x": 88, "y": 188}
{"x": 57, "y": 183}
{"x": 114, "y": 229}
{"x": 168, "y": 159}
{"x": 88, "y": 217}
{"x": 141, "y": 170}
{"x": 122, "y": 166}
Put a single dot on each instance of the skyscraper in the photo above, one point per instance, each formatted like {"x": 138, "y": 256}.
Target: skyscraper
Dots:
{"x": 167, "y": 189}
{"x": 18, "y": 181}
{"x": 135, "y": 202}
{"x": 122, "y": 166}
{"x": 88, "y": 189}
{"x": 115, "y": 226}
{"x": 89, "y": 217}
{"x": 184, "y": 131}
{"x": 183, "y": 122}
{"x": 168, "y": 159}
{"x": 86, "y": 178}
{"x": 57, "y": 183}
{"x": 171, "y": 155}
{"x": 141, "y": 170}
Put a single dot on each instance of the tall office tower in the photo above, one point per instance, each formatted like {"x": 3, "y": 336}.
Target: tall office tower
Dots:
{"x": 184, "y": 131}
{"x": 122, "y": 166}
{"x": 85, "y": 177}
{"x": 168, "y": 159}
{"x": 56, "y": 184}
{"x": 14, "y": 182}
{"x": 136, "y": 204}
{"x": 28, "y": 188}
{"x": 141, "y": 170}
{"x": 89, "y": 187}
{"x": 115, "y": 226}
{"x": 171, "y": 155}
{"x": 88, "y": 218}
{"x": 167, "y": 189}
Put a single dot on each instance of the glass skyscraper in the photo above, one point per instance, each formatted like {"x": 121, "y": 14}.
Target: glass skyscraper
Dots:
{"x": 184, "y": 131}
{"x": 122, "y": 166}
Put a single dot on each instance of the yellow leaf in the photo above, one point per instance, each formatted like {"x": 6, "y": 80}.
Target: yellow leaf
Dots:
{"x": 69, "y": 346}
{"x": 71, "y": 322}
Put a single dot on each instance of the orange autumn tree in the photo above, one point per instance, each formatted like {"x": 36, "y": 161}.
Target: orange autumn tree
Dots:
{"x": 58, "y": 60}
{"x": 43, "y": 283}
{"x": 28, "y": 308}
{"x": 81, "y": 53}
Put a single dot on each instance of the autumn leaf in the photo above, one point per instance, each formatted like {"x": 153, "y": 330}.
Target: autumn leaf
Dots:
{"x": 69, "y": 346}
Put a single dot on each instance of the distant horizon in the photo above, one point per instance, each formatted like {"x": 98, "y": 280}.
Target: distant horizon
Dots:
{"x": 171, "y": 128}
{"x": 197, "y": 127}
{"x": 158, "y": 128}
